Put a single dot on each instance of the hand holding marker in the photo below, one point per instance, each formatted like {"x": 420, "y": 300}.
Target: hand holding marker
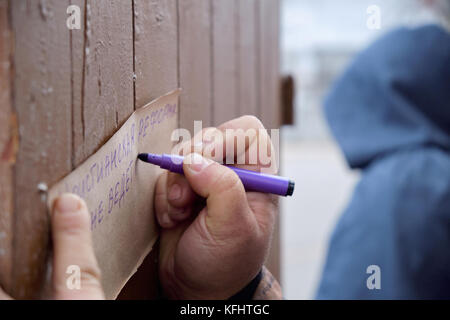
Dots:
{"x": 252, "y": 181}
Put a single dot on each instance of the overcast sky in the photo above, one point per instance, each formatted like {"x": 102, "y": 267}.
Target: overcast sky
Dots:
{"x": 342, "y": 23}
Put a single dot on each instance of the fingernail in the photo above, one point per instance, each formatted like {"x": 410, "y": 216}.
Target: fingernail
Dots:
{"x": 198, "y": 163}
{"x": 67, "y": 203}
{"x": 174, "y": 192}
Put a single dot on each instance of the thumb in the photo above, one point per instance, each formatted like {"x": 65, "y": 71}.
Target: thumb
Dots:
{"x": 225, "y": 196}
{"x": 76, "y": 274}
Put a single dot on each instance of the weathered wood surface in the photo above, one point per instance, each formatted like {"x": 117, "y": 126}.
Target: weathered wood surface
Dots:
{"x": 269, "y": 80}
{"x": 156, "y": 69}
{"x": 106, "y": 98}
{"x": 72, "y": 89}
{"x": 42, "y": 102}
{"x": 269, "y": 93}
{"x": 247, "y": 58}
{"x": 195, "y": 57}
{"x": 8, "y": 142}
{"x": 156, "y": 48}
{"x": 224, "y": 60}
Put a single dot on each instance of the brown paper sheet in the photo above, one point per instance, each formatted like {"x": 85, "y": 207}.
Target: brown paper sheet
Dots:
{"x": 118, "y": 190}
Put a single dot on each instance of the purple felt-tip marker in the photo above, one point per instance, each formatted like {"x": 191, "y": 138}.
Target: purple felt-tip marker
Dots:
{"x": 252, "y": 181}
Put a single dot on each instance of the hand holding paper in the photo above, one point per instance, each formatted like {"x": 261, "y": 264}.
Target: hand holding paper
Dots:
{"x": 73, "y": 250}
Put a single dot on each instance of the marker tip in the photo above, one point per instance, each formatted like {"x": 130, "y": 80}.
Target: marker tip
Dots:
{"x": 143, "y": 157}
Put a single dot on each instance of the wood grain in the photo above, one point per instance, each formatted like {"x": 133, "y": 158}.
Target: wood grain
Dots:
{"x": 105, "y": 97}
{"x": 77, "y": 52}
{"x": 156, "y": 48}
{"x": 7, "y": 149}
{"x": 247, "y": 59}
{"x": 269, "y": 63}
{"x": 224, "y": 60}
{"x": 195, "y": 75}
{"x": 156, "y": 68}
{"x": 42, "y": 101}
{"x": 269, "y": 94}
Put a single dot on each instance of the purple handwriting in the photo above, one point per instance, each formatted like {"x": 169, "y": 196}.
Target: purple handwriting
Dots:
{"x": 122, "y": 151}
{"x": 116, "y": 196}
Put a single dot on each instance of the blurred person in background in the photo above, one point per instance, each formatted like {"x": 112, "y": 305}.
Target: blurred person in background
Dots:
{"x": 390, "y": 113}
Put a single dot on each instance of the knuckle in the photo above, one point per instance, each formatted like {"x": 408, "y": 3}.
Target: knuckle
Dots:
{"x": 177, "y": 179}
{"x": 212, "y": 135}
{"x": 208, "y": 131}
{"x": 91, "y": 276}
{"x": 72, "y": 223}
{"x": 204, "y": 135}
{"x": 89, "y": 279}
{"x": 256, "y": 123}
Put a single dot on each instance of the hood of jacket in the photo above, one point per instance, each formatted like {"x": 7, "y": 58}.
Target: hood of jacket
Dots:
{"x": 394, "y": 95}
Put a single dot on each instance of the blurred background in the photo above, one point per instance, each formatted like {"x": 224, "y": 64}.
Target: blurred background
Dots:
{"x": 319, "y": 38}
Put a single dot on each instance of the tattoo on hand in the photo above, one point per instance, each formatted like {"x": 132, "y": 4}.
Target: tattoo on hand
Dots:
{"x": 269, "y": 288}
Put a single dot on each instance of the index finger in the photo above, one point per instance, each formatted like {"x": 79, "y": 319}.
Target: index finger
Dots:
{"x": 241, "y": 142}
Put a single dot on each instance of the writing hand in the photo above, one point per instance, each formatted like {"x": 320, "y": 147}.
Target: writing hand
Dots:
{"x": 72, "y": 246}
{"x": 215, "y": 236}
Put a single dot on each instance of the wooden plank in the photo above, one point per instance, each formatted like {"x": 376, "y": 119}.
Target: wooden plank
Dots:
{"x": 8, "y": 142}
{"x": 42, "y": 101}
{"x": 269, "y": 86}
{"x": 156, "y": 68}
{"x": 156, "y": 48}
{"x": 247, "y": 82}
{"x": 195, "y": 72}
{"x": 105, "y": 98}
{"x": 102, "y": 74}
{"x": 269, "y": 93}
{"x": 77, "y": 49}
{"x": 224, "y": 60}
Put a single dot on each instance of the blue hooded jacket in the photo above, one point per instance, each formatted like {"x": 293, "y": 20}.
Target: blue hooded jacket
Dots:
{"x": 390, "y": 113}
